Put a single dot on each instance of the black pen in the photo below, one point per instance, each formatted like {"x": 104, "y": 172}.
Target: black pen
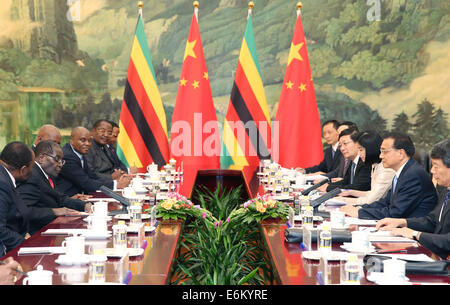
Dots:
{"x": 391, "y": 251}
{"x": 16, "y": 270}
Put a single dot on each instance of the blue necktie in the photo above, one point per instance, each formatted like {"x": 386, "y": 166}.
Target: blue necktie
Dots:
{"x": 447, "y": 198}
{"x": 394, "y": 183}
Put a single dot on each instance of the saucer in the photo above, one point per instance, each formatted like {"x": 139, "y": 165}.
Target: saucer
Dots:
{"x": 88, "y": 234}
{"x": 127, "y": 216}
{"x": 380, "y": 279}
{"x": 113, "y": 252}
{"x": 349, "y": 247}
{"x": 66, "y": 260}
{"x": 332, "y": 256}
{"x": 147, "y": 229}
{"x": 344, "y": 227}
{"x": 282, "y": 197}
{"x": 86, "y": 219}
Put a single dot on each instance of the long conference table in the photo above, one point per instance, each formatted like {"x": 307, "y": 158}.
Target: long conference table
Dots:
{"x": 153, "y": 267}
{"x": 290, "y": 268}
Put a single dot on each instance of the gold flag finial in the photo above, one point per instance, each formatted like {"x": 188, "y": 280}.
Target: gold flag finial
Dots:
{"x": 299, "y": 5}
{"x": 196, "y": 4}
{"x": 140, "y": 4}
{"x": 251, "y": 4}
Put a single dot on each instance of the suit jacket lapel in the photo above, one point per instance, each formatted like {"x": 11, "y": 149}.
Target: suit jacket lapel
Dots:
{"x": 100, "y": 152}
{"x": 21, "y": 207}
{"x": 49, "y": 190}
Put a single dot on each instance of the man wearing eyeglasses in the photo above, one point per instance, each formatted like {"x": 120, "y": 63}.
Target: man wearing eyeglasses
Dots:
{"x": 99, "y": 158}
{"x": 39, "y": 192}
{"x": 412, "y": 194}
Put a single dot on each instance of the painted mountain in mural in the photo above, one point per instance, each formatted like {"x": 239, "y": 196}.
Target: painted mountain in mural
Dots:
{"x": 370, "y": 62}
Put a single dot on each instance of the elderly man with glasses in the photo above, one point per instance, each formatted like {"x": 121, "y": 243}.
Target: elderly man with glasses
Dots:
{"x": 39, "y": 192}
{"x": 100, "y": 159}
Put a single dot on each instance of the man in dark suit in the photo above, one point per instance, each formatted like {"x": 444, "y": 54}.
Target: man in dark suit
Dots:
{"x": 100, "y": 160}
{"x": 47, "y": 132}
{"x": 75, "y": 176}
{"x": 39, "y": 192}
{"x": 412, "y": 194}
{"x": 16, "y": 162}
{"x": 433, "y": 230}
{"x": 332, "y": 154}
{"x": 357, "y": 175}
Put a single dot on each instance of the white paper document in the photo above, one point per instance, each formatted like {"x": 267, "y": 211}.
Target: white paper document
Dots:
{"x": 408, "y": 257}
{"x": 315, "y": 177}
{"x": 335, "y": 202}
{"x": 385, "y": 236}
{"x": 360, "y": 222}
{"x": 41, "y": 250}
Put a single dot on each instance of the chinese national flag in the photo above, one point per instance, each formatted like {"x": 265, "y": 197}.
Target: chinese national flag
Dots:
{"x": 195, "y": 140}
{"x": 299, "y": 138}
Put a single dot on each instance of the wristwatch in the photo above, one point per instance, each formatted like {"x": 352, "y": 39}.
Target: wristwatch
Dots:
{"x": 415, "y": 234}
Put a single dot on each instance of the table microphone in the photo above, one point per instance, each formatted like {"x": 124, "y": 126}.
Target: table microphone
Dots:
{"x": 316, "y": 202}
{"x": 312, "y": 188}
{"x": 124, "y": 201}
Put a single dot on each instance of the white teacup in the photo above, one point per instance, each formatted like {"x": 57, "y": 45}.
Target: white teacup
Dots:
{"x": 98, "y": 224}
{"x": 38, "y": 277}
{"x": 152, "y": 168}
{"x": 394, "y": 270}
{"x": 100, "y": 209}
{"x": 74, "y": 275}
{"x": 337, "y": 219}
{"x": 137, "y": 182}
{"x": 74, "y": 246}
{"x": 360, "y": 240}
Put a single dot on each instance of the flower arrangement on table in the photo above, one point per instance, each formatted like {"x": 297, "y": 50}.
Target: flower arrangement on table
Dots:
{"x": 176, "y": 207}
{"x": 260, "y": 208}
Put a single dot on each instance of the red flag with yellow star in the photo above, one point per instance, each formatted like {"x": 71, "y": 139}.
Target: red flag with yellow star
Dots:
{"x": 299, "y": 137}
{"x": 195, "y": 140}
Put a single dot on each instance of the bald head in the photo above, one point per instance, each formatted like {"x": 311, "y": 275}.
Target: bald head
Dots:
{"x": 48, "y": 132}
{"x": 81, "y": 140}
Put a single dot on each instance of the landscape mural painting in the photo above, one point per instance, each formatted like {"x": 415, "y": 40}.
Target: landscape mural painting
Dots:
{"x": 383, "y": 64}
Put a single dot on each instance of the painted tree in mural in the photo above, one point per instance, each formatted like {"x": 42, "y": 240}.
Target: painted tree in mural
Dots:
{"x": 429, "y": 126}
{"x": 402, "y": 123}
{"x": 440, "y": 125}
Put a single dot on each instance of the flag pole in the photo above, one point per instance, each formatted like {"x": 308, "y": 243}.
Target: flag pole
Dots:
{"x": 299, "y": 8}
{"x": 251, "y": 4}
{"x": 196, "y": 5}
{"x": 140, "y": 5}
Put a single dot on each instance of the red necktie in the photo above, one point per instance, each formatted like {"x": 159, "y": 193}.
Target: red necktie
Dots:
{"x": 51, "y": 182}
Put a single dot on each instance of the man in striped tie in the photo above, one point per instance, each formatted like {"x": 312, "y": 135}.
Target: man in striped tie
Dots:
{"x": 433, "y": 230}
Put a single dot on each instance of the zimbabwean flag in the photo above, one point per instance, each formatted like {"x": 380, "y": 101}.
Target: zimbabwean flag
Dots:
{"x": 143, "y": 127}
{"x": 247, "y": 130}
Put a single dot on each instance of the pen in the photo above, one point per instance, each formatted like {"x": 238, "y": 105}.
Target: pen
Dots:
{"x": 391, "y": 251}
{"x": 16, "y": 270}
{"x": 319, "y": 277}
